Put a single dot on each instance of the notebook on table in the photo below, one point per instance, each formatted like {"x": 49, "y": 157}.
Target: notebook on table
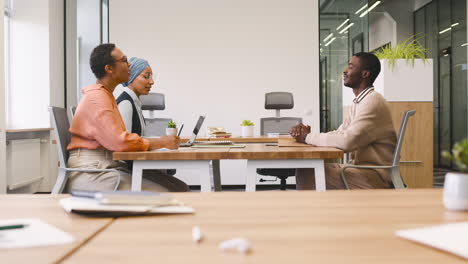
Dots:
{"x": 218, "y": 146}
{"x": 452, "y": 238}
{"x": 123, "y": 203}
{"x": 215, "y": 142}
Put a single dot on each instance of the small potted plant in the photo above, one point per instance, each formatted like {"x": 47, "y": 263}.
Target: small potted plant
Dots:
{"x": 456, "y": 183}
{"x": 171, "y": 129}
{"x": 247, "y": 128}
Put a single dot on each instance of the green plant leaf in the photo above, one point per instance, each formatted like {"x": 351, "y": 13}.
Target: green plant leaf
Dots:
{"x": 459, "y": 155}
{"x": 247, "y": 123}
{"x": 171, "y": 124}
{"x": 409, "y": 50}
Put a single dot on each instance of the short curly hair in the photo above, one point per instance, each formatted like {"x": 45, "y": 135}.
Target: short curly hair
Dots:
{"x": 371, "y": 63}
{"x": 100, "y": 57}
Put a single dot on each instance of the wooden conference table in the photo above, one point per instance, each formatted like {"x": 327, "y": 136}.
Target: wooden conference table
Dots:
{"x": 283, "y": 227}
{"x": 258, "y": 155}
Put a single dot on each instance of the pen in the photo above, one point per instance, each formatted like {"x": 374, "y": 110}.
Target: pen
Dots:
{"x": 180, "y": 131}
{"x": 8, "y": 227}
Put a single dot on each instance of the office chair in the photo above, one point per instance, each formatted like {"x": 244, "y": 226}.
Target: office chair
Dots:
{"x": 62, "y": 136}
{"x": 155, "y": 126}
{"x": 72, "y": 111}
{"x": 278, "y": 124}
{"x": 397, "y": 180}
{"x": 152, "y": 102}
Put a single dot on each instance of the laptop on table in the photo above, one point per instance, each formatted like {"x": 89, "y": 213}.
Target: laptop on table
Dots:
{"x": 197, "y": 128}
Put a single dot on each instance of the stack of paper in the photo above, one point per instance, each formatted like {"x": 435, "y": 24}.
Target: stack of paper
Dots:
{"x": 451, "y": 237}
{"x": 123, "y": 203}
{"x": 34, "y": 233}
{"x": 218, "y": 132}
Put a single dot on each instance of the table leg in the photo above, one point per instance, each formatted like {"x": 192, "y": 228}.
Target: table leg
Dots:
{"x": 205, "y": 177}
{"x": 251, "y": 177}
{"x": 137, "y": 175}
{"x": 216, "y": 176}
{"x": 320, "y": 176}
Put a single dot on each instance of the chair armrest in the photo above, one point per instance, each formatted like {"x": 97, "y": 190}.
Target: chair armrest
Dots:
{"x": 347, "y": 166}
{"x": 368, "y": 166}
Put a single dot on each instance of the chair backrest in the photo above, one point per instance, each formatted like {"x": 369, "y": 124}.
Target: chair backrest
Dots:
{"x": 156, "y": 126}
{"x": 72, "y": 111}
{"x": 401, "y": 135}
{"x": 153, "y": 101}
{"x": 278, "y": 124}
{"x": 62, "y": 135}
{"x": 278, "y": 101}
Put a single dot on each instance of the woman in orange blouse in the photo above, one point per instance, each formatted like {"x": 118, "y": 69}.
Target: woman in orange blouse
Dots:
{"x": 97, "y": 129}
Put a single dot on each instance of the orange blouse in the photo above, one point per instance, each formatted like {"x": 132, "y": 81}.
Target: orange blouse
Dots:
{"x": 97, "y": 124}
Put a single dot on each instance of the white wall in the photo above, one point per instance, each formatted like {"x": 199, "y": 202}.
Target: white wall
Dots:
{"x": 71, "y": 53}
{"x": 49, "y": 154}
{"x": 88, "y": 31}
{"x": 383, "y": 30}
{"x": 3, "y": 175}
{"x": 220, "y": 57}
{"x": 393, "y": 22}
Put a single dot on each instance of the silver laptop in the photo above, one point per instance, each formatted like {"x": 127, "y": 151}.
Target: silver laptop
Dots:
{"x": 195, "y": 133}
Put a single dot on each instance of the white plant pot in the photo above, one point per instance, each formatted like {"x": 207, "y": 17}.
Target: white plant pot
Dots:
{"x": 247, "y": 131}
{"x": 171, "y": 131}
{"x": 456, "y": 191}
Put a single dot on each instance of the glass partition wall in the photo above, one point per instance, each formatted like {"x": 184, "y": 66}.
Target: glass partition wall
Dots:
{"x": 442, "y": 25}
{"x": 347, "y": 26}
{"x": 343, "y": 31}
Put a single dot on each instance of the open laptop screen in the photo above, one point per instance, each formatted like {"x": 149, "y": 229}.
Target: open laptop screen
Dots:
{"x": 197, "y": 129}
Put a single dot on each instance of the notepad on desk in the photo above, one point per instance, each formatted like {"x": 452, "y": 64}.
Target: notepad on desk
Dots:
{"x": 218, "y": 146}
{"x": 122, "y": 203}
{"x": 452, "y": 238}
{"x": 35, "y": 233}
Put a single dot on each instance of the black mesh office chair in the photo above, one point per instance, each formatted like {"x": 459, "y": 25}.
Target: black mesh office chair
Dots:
{"x": 278, "y": 124}
{"x": 153, "y": 102}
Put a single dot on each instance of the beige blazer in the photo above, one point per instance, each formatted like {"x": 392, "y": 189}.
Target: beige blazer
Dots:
{"x": 367, "y": 132}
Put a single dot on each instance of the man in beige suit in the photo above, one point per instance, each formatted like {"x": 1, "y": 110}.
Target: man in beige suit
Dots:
{"x": 367, "y": 132}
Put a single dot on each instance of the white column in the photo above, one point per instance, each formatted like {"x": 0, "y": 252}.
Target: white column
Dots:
{"x": 3, "y": 175}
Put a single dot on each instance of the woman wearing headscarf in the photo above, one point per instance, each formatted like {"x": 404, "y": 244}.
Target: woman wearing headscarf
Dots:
{"x": 129, "y": 104}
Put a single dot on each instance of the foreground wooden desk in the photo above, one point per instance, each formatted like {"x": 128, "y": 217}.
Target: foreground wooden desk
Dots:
{"x": 284, "y": 227}
{"x": 46, "y": 208}
{"x": 258, "y": 156}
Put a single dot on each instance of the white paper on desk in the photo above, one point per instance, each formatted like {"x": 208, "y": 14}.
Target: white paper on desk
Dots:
{"x": 37, "y": 233}
{"x": 452, "y": 238}
{"x": 162, "y": 149}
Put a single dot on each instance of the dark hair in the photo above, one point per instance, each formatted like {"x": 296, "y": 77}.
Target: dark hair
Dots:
{"x": 100, "y": 57}
{"x": 371, "y": 63}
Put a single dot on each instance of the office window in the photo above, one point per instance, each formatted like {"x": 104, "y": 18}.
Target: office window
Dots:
{"x": 27, "y": 63}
